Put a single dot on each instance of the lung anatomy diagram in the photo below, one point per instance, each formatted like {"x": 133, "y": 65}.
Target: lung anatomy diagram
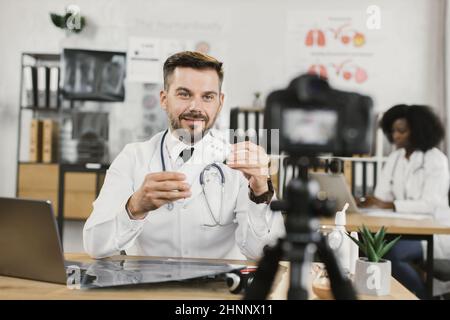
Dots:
{"x": 344, "y": 37}
{"x": 344, "y": 34}
{"x": 346, "y": 70}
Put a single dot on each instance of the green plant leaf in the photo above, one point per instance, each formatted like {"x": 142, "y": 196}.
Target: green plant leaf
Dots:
{"x": 379, "y": 236}
{"x": 373, "y": 257}
{"x": 382, "y": 245}
{"x": 388, "y": 247}
{"x": 58, "y": 20}
{"x": 368, "y": 236}
{"x": 359, "y": 243}
{"x": 67, "y": 16}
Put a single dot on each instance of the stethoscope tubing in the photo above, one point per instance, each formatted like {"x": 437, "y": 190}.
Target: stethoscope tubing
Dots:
{"x": 394, "y": 168}
{"x": 170, "y": 205}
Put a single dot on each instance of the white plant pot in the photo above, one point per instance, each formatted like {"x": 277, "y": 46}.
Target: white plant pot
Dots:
{"x": 373, "y": 278}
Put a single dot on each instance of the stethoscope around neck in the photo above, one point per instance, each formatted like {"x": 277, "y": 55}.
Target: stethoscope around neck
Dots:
{"x": 203, "y": 181}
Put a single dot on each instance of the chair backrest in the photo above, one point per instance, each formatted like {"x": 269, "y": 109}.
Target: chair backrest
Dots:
{"x": 448, "y": 196}
{"x": 250, "y": 121}
{"x": 441, "y": 269}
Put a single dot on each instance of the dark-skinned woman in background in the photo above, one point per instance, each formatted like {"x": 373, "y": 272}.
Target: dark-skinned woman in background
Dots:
{"x": 414, "y": 179}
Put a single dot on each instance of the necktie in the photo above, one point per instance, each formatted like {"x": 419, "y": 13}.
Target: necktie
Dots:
{"x": 186, "y": 154}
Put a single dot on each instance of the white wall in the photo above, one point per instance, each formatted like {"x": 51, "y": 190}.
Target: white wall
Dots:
{"x": 253, "y": 33}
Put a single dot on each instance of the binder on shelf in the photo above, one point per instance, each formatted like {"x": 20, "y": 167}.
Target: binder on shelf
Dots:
{"x": 50, "y": 141}
{"x": 54, "y": 88}
{"x": 29, "y": 87}
{"x": 36, "y": 141}
{"x": 42, "y": 85}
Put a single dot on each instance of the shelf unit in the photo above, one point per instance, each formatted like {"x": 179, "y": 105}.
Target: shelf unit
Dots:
{"x": 71, "y": 187}
{"x": 35, "y": 60}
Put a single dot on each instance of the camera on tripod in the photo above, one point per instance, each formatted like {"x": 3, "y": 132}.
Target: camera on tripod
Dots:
{"x": 313, "y": 118}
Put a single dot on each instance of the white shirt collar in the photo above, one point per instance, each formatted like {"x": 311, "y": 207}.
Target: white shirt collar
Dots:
{"x": 175, "y": 146}
{"x": 415, "y": 155}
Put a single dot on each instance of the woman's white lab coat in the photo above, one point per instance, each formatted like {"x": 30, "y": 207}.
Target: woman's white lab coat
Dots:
{"x": 181, "y": 232}
{"x": 420, "y": 185}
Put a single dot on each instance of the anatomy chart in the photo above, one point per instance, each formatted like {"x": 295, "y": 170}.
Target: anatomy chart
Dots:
{"x": 337, "y": 47}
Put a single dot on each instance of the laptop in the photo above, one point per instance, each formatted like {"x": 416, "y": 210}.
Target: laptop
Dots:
{"x": 336, "y": 187}
{"x": 29, "y": 242}
{"x": 30, "y": 248}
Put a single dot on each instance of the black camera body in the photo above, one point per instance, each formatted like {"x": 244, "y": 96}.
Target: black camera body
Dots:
{"x": 313, "y": 118}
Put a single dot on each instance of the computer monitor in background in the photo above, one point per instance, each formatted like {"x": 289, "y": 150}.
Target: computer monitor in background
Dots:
{"x": 93, "y": 75}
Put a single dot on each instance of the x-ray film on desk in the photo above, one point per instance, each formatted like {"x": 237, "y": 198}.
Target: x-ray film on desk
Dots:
{"x": 105, "y": 273}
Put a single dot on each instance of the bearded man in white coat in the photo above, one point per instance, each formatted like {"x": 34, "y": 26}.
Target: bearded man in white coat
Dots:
{"x": 152, "y": 202}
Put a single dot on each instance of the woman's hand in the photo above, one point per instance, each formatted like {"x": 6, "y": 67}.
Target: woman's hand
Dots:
{"x": 371, "y": 201}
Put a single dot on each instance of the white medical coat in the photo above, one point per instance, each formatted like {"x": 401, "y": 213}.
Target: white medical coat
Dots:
{"x": 180, "y": 232}
{"x": 420, "y": 185}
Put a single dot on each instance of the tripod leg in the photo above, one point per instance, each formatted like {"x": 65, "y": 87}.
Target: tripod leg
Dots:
{"x": 300, "y": 269}
{"x": 341, "y": 286}
{"x": 262, "y": 283}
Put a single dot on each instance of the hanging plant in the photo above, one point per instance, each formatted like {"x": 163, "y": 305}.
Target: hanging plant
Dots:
{"x": 72, "y": 20}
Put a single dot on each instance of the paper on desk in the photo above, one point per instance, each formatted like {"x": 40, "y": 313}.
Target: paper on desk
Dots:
{"x": 384, "y": 213}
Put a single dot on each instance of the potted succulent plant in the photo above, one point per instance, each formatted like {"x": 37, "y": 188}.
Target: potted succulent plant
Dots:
{"x": 372, "y": 273}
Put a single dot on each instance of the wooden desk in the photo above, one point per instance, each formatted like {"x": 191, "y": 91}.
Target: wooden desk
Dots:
{"x": 394, "y": 225}
{"x": 398, "y": 292}
{"x": 13, "y": 288}
{"x": 407, "y": 228}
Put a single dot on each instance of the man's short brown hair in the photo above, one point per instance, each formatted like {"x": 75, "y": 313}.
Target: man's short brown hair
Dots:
{"x": 191, "y": 59}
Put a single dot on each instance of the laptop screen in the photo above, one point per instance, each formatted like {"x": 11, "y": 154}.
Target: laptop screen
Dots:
{"x": 336, "y": 188}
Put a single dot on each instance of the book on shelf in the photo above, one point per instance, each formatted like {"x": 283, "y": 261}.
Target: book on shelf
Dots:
{"x": 50, "y": 141}
{"x": 42, "y": 85}
{"x": 35, "y": 141}
{"x": 53, "y": 89}
{"x": 29, "y": 87}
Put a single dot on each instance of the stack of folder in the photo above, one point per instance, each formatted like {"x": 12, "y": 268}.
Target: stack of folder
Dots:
{"x": 40, "y": 87}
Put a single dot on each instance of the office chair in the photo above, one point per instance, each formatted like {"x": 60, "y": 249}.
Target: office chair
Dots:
{"x": 442, "y": 269}
{"x": 442, "y": 273}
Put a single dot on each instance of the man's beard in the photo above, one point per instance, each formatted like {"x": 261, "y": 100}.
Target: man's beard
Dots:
{"x": 190, "y": 136}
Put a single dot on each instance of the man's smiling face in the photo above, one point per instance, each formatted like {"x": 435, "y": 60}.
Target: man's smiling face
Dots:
{"x": 192, "y": 100}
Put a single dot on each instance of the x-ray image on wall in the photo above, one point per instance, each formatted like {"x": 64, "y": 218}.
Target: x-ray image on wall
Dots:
{"x": 90, "y": 122}
{"x": 93, "y": 75}
{"x": 90, "y": 129}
